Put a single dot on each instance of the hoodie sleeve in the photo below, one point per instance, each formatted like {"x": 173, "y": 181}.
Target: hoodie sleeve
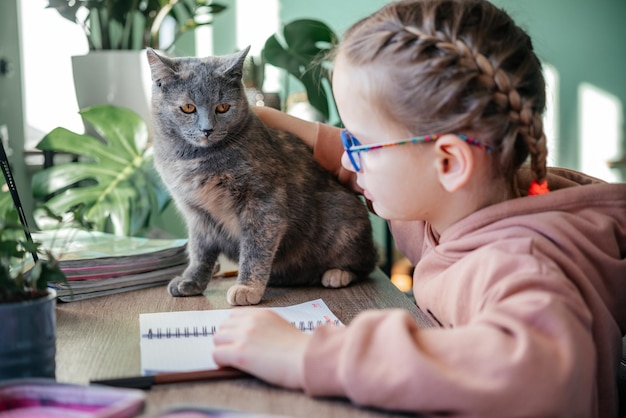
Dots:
{"x": 528, "y": 353}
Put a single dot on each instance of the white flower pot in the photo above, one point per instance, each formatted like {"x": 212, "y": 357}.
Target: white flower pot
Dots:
{"x": 116, "y": 77}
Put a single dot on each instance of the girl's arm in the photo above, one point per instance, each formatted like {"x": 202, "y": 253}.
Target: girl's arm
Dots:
{"x": 325, "y": 140}
{"x": 530, "y": 354}
{"x": 305, "y": 130}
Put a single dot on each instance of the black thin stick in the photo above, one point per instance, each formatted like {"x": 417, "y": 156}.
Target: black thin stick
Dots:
{"x": 8, "y": 176}
{"x": 146, "y": 382}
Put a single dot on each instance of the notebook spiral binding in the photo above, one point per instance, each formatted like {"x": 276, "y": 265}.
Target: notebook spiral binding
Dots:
{"x": 208, "y": 331}
{"x": 311, "y": 325}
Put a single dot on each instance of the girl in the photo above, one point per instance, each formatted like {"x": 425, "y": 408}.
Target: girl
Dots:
{"x": 442, "y": 101}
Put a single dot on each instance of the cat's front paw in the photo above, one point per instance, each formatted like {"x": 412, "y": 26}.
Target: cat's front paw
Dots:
{"x": 244, "y": 295}
{"x": 179, "y": 286}
{"x": 337, "y": 278}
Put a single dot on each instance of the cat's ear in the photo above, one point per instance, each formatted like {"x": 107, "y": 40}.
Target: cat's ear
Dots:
{"x": 234, "y": 65}
{"x": 160, "y": 67}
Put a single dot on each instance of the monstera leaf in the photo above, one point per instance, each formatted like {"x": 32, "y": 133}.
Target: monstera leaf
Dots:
{"x": 114, "y": 177}
{"x": 300, "y": 51}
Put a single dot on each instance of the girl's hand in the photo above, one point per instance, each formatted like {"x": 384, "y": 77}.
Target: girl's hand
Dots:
{"x": 261, "y": 343}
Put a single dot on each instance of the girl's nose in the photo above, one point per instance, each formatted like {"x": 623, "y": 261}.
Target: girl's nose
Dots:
{"x": 345, "y": 162}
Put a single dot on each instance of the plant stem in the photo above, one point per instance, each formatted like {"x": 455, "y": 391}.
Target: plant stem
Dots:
{"x": 158, "y": 21}
{"x": 129, "y": 23}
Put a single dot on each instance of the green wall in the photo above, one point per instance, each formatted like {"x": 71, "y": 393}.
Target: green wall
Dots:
{"x": 584, "y": 41}
{"x": 338, "y": 14}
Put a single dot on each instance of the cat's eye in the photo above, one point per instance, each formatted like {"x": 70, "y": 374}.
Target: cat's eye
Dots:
{"x": 188, "y": 108}
{"x": 222, "y": 108}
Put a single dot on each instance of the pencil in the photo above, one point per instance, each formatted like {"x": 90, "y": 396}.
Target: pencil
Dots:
{"x": 146, "y": 382}
{"x": 228, "y": 273}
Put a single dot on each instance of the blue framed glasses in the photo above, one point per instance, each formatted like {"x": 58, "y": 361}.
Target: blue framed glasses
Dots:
{"x": 354, "y": 148}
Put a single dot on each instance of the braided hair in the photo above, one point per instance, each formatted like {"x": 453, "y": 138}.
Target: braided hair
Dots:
{"x": 457, "y": 66}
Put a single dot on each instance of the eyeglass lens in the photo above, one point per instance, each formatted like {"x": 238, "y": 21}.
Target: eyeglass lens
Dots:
{"x": 350, "y": 141}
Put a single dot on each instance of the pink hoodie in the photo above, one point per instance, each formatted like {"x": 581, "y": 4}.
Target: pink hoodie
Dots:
{"x": 530, "y": 299}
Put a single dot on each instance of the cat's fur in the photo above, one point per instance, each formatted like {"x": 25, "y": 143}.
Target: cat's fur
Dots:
{"x": 254, "y": 193}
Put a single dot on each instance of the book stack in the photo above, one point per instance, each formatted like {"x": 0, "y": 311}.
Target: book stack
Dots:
{"x": 98, "y": 264}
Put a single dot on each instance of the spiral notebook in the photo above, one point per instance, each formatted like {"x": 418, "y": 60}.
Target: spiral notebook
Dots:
{"x": 183, "y": 341}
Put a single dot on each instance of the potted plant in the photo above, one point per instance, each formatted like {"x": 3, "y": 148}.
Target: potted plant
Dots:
{"x": 27, "y": 307}
{"x": 115, "y": 71}
{"x": 27, "y": 299}
{"x": 133, "y": 24}
{"x": 113, "y": 177}
{"x": 301, "y": 49}
{"x": 27, "y": 304}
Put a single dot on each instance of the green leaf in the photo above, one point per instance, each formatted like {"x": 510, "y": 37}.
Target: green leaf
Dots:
{"x": 63, "y": 140}
{"x": 306, "y": 36}
{"x": 7, "y": 283}
{"x": 128, "y": 24}
{"x": 122, "y": 128}
{"x": 71, "y": 198}
{"x": 6, "y": 202}
{"x": 114, "y": 179}
{"x": 10, "y": 226}
{"x": 300, "y": 51}
{"x": 52, "y": 215}
{"x": 62, "y": 176}
{"x": 46, "y": 272}
{"x": 11, "y": 248}
{"x": 66, "y": 8}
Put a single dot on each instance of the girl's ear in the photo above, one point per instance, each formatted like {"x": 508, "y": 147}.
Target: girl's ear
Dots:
{"x": 454, "y": 162}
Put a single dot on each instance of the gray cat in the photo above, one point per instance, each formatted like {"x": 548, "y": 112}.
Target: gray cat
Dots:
{"x": 251, "y": 192}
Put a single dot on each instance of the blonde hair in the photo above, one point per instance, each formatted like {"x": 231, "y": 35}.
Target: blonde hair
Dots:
{"x": 457, "y": 66}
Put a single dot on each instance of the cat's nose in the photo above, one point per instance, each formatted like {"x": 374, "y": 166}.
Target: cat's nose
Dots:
{"x": 207, "y": 132}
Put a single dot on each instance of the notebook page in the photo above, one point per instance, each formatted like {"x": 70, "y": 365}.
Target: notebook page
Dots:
{"x": 183, "y": 341}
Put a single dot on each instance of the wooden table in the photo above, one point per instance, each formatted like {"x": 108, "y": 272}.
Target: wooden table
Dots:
{"x": 99, "y": 338}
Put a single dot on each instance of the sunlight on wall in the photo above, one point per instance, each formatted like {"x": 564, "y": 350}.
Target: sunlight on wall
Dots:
{"x": 550, "y": 117}
{"x": 48, "y": 42}
{"x": 204, "y": 41}
{"x": 257, "y": 21}
{"x": 600, "y": 127}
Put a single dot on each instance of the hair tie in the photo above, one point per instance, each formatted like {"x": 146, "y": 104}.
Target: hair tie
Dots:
{"x": 538, "y": 188}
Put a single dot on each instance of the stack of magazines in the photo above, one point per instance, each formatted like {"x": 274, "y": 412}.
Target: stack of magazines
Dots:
{"x": 98, "y": 264}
